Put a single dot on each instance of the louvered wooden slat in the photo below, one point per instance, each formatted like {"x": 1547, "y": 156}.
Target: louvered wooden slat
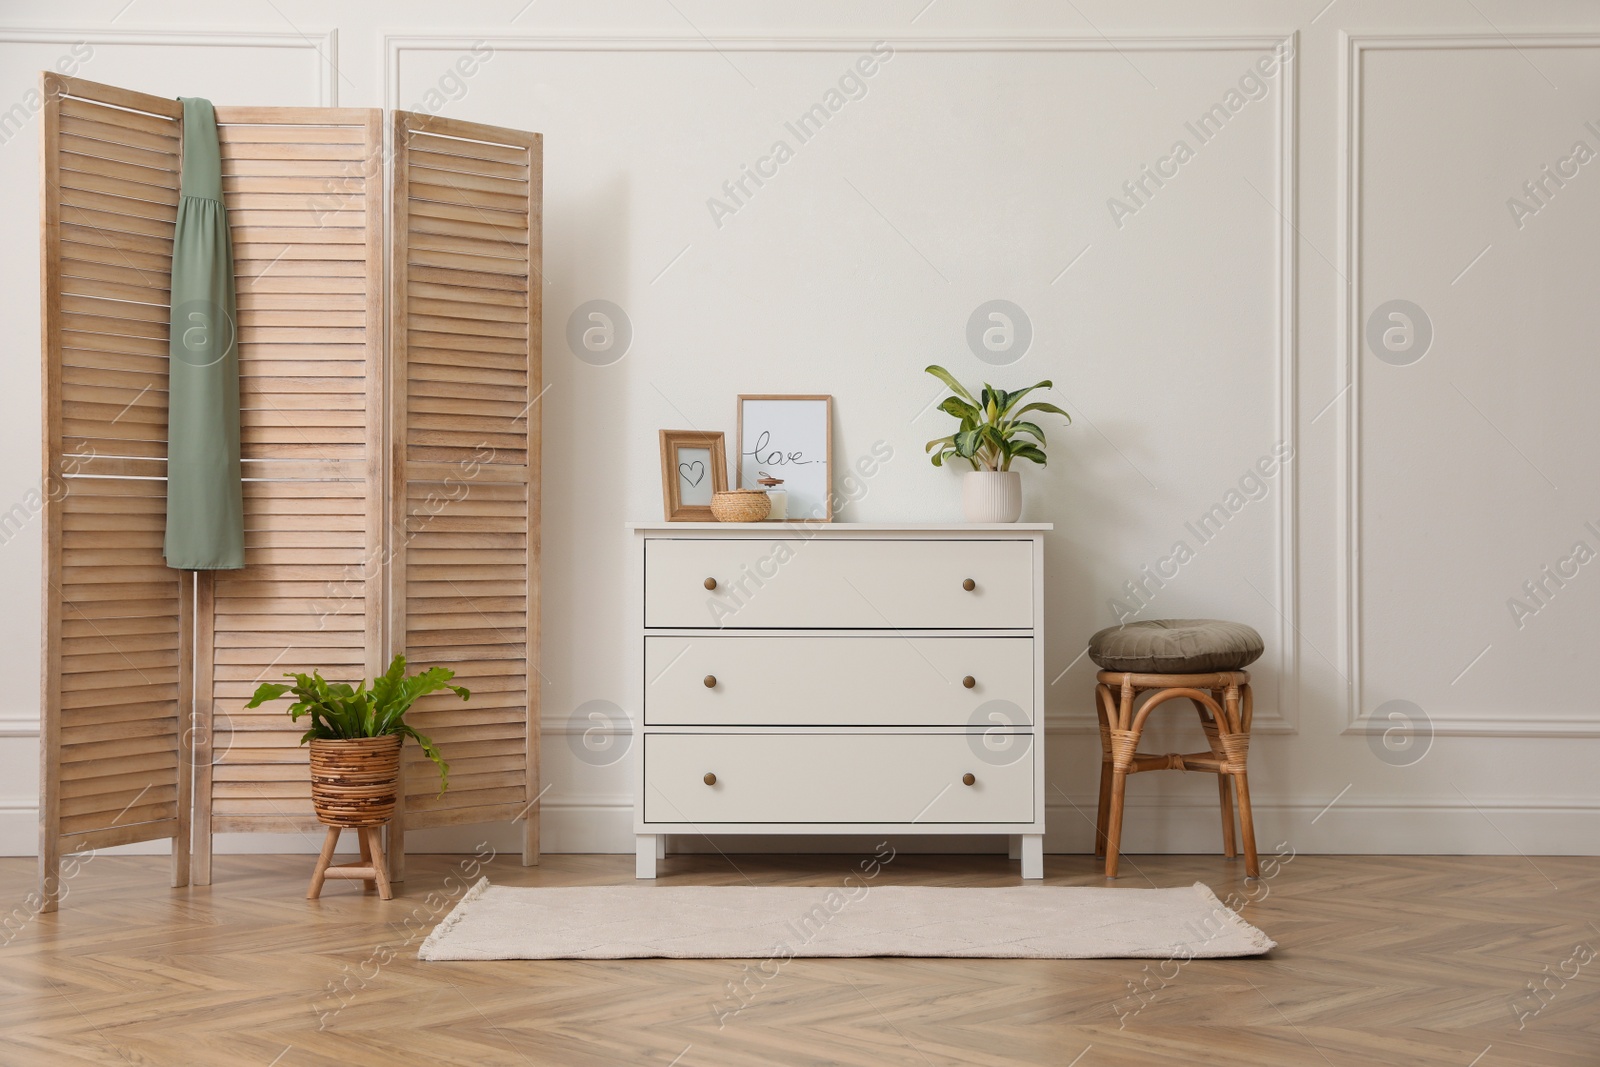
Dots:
{"x": 118, "y": 625}
{"x": 304, "y": 193}
{"x": 109, "y": 126}
{"x": 465, "y": 378}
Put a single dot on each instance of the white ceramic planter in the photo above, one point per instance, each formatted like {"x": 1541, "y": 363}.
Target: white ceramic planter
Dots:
{"x": 991, "y": 496}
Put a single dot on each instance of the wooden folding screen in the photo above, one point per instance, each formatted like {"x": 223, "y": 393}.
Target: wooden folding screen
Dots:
{"x": 304, "y": 191}
{"x": 354, "y": 500}
{"x": 117, "y": 622}
{"x": 465, "y": 381}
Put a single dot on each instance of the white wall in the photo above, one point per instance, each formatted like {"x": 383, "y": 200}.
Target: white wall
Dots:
{"x": 1219, "y": 322}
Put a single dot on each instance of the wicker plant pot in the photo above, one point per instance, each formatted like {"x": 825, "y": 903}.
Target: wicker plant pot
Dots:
{"x": 354, "y": 781}
{"x": 740, "y": 505}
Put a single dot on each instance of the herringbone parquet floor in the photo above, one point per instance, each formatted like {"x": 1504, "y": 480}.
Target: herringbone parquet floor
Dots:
{"x": 1410, "y": 961}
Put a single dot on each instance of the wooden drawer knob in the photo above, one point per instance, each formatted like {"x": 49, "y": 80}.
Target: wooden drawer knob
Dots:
{"x": 969, "y": 681}
{"x": 711, "y": 779}
{"x": 711, "y": 681}
{"x": 968, "y": 779}
{"x": 969, "y": 585}
{"x": 711, "y": 583}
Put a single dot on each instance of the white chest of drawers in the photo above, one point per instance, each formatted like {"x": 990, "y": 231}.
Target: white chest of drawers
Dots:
{"x": 840, "y": 678}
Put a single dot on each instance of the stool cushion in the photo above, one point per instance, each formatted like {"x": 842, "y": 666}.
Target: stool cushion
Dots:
{"x": 1176, "y": 646}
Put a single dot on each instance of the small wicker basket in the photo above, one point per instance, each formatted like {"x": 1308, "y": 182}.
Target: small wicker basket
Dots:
{"x": 740, "y": 505}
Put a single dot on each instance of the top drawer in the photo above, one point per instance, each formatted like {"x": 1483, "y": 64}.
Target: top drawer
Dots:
{"x": 744, "y": 583}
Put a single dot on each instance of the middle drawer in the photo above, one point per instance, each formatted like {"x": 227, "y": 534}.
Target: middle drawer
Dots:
{"x": 726, "y": 680}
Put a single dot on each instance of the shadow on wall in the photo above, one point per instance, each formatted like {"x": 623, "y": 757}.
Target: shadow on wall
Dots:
{"x": 1080, "y": 500}
{"x": 588, "y": 352}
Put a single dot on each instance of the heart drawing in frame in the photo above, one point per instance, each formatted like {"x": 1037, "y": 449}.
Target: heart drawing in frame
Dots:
{"x": 697, "y": 468}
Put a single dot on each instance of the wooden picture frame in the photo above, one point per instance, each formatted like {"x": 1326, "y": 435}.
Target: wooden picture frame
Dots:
{"x": 798, "y": 420}
{"x": 688, "y": 478}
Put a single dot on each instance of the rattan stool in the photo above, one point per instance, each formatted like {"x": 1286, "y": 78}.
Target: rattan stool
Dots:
{"x": 1142, "y": 666}
{"x": 1222, "y": 699}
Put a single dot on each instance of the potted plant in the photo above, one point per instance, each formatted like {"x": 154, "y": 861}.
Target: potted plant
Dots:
{"x": 355, "y": 738}
{"x": 988, "y": 438}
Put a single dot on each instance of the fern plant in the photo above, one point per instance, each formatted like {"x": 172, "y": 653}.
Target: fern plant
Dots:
{"x": 991, "y": 423}
{"x": 339, "y": 712}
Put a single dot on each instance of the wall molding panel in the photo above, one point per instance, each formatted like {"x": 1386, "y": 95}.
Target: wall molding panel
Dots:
{"x": 19, "y": 726}
{"x": 325, "y": 43}
{"x": 1279, "y": 715}
{"x": 1351, "y": 193}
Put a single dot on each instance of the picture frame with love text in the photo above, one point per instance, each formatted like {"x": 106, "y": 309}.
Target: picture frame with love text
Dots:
{"x": 694, "y": 464}
{"x": 789, "y": 436}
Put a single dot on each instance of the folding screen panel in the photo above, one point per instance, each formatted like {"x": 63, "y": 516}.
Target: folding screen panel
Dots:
{"x": 465, "y": 384}
{"x": 117, "y": 622}
{"x": 304, "y": 192}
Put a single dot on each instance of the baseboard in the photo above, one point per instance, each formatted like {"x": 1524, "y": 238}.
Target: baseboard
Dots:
{"x": 587, "y": 826}
{"x": 1385, "y": 826}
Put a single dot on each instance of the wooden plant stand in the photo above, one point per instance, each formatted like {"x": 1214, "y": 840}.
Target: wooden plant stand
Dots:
{"x": 373, "y": 866}
{"x": 354, "y": 786}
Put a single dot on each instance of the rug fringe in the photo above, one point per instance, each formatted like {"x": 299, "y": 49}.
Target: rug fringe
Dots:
{"x": 478, "y": 889}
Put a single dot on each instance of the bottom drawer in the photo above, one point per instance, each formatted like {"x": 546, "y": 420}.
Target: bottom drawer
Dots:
{"x": 837, "y": 778}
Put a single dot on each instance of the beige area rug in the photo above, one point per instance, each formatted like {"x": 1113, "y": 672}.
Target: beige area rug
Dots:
{"x": 741, "y": 922}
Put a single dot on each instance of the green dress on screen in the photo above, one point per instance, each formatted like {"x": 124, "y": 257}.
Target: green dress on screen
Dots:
{"x": 205, "y": 505}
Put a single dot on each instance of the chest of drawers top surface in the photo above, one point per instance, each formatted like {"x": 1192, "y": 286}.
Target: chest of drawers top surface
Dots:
{"x": 802, "y": 528}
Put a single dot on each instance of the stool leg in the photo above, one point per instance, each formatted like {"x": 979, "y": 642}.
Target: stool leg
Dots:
{"x": 1104, "y": 814}
{"x": 1119, "y": 781}
{"x": 1213, "y": 731}
{"x": 1102, "y": 701}
{"x": 1228, "y": 848}
{"x": 1247, "y": 826}
{"x": 319, "y": 874}
{"x": 1119, "y": 770}
{"x": 380, "y": 863}
{"x": 1239, "y": 725}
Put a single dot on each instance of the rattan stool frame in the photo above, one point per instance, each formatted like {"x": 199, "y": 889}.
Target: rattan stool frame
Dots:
{"x": 1125, "y": 700}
